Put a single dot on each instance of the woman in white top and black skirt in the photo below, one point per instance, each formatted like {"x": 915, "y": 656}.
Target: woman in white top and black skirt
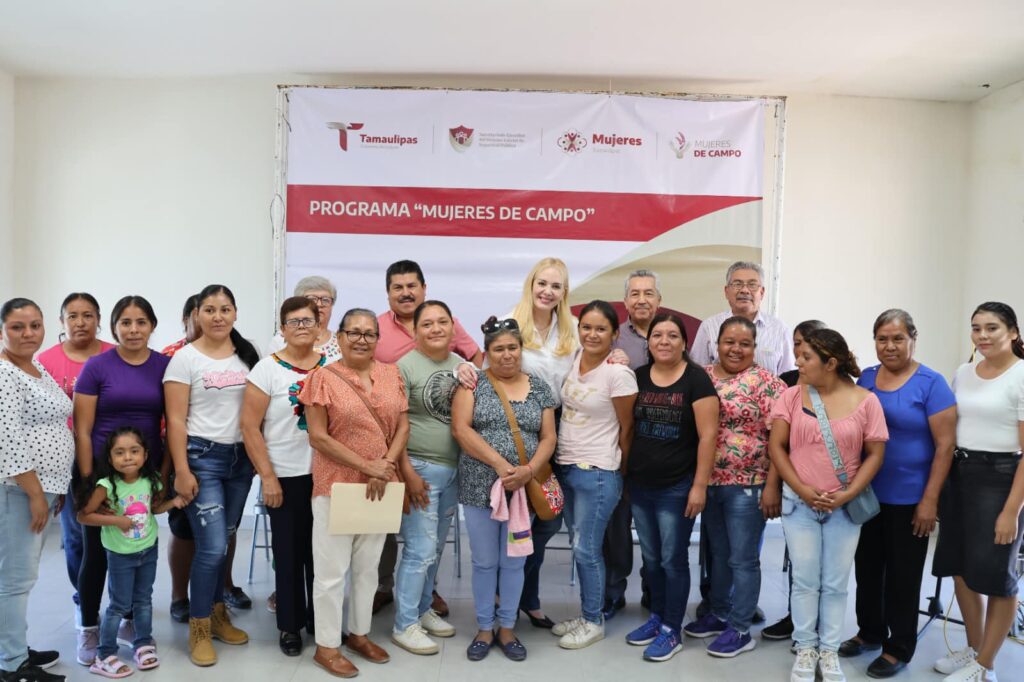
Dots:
{"x": 980, "y": 509}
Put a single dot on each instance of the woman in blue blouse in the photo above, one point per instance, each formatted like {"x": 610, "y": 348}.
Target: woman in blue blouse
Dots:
{"x": 920, "y": 411}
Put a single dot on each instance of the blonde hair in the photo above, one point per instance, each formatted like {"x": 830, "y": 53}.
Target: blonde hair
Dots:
{"x": 523, "y": 312}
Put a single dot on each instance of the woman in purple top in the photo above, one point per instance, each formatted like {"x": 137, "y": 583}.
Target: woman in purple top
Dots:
{"x": 920, "y": 412}
{"x": 121, "y": 387}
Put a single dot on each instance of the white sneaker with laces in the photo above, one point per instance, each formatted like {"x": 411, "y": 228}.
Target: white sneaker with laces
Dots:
{"x": 436, "y": 625}
{"x": 805, "y": 666}
{"x": 566, "y": 626}
{"x": 414, "y": 640}
{"x": 955, "y": 660}
{"x": 585, "y": 634}
{"x": 972, "y": 672}
{"x": 831, "y": 671}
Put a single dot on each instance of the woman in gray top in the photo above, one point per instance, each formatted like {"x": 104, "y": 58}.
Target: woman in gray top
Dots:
{"x": 489, "y": 453}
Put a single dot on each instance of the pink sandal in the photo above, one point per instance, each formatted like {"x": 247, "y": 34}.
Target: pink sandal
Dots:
{"x": 146, "y": 658}
{"x": 111, "y": 666}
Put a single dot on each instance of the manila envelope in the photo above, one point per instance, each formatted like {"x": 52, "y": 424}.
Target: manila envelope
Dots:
{"x": 353, "y": 514}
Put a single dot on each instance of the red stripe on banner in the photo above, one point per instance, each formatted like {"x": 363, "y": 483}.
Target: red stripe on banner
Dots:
{"x": 526, "y": 214}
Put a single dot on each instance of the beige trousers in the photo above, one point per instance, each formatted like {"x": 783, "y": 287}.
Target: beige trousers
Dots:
{"x": 333, "y": 555}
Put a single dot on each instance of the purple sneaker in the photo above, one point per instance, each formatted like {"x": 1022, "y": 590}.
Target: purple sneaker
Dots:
{"x": 705, "y": 626}
{"x": 731, "y": 643}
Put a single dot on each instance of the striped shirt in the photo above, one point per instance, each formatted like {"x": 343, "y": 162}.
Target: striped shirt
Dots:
{"x": 774, "y": 349}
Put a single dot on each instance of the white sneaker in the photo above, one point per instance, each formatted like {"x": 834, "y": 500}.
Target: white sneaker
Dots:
{"x": 436, "y": 625}
{"x": 805, "y": 666}
{"x": 972, "y": 672}
{"x": 414, "y": 640}
{"x": 88, "y": 643}
{"x": 828, "y": 663}
{"x": 582, "y": 636}
{"x": 566, "y": 626}
{"x": 955, "y": 660}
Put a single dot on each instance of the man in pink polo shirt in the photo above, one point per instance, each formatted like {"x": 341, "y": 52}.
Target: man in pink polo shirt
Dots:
{"x": 406, "y": 290}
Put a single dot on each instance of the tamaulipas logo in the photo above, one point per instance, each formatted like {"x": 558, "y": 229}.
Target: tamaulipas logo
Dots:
{"x": 343, "y": 129}
{"x": 461, "y": 138}
{"x": 572, "y": 141}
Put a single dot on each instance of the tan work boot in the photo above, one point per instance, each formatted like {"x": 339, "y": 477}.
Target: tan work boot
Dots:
{"x": 222, "y": 629}
{"x": 200, "y": 646}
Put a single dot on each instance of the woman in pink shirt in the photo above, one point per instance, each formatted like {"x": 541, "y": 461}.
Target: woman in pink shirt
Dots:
{"x": 821, "y": 536}
{"x": 80, "y": 323}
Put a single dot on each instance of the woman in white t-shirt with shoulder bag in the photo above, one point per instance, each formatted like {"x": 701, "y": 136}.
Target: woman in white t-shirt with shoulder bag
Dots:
{"x": 980, "y": 509}
{"x": 274, "y": 432}
{"x": 203, "y": 388}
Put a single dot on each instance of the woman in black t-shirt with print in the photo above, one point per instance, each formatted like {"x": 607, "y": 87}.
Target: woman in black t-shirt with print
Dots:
{"x": 668, "y": 471}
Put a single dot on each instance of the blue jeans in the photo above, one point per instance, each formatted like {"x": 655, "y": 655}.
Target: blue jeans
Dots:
{"x": 71, "y": 536}
{"x": 734, "y": 525}
{"x": 224, "y": 474}
{"x": 129, "y": 589}
{"x": 591, "y": 494}
{"x": 493, "y": 569}
{"x": 424, "y": 532}
{"x": 20, "y": 550}
{"x": 821, "y": 548}
{"x": 664, "y": 534}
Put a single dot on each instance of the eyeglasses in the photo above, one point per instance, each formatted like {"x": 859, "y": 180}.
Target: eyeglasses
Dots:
{"x": 508, "y": 325}
{"x": 300, "y": 323}
{"x": 354, "y": 336}
{"x": 737, "y": 285}
{"x": 321, "y": 300}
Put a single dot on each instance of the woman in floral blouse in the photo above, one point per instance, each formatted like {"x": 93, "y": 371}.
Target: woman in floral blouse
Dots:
{"x": 738, "y": 500}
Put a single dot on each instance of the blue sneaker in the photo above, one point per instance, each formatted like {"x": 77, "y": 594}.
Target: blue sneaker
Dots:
{"x": 646, "y": 633}
{"x": 705, "y": 626}
{"x": 665, "y": 646}
{"x": 731, "y": 643}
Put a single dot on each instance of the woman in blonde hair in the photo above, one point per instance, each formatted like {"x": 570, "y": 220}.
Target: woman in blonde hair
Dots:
{"x": 550, "y": 339}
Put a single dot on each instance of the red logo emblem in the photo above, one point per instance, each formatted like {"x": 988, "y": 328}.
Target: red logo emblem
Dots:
{"x": 461, "y": 138}
{"x": 343, "y": 129}
{"x": 572, "y": 141}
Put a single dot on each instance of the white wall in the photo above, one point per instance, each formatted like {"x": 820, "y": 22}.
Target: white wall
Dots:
{"x": 149, "y": 187}
{"x": 6, "y": 186}
{"x": 158, "y": 187}
{"x": 993, "y": 261}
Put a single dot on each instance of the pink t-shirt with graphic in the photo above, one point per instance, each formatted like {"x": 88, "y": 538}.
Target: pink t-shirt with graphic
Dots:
{"x": 589, "y": 431}
{"x": 807, "y": 450}
{"x": 215, "y": 395}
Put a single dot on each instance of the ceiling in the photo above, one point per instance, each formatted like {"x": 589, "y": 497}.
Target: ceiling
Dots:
{"x": 937, "y": 49}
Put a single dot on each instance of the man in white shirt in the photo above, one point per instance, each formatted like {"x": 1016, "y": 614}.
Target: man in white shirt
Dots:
{"x": 744, "y": 289}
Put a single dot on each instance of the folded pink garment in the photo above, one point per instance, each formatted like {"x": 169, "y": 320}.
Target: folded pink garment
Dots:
{"x": 517, "y": 513}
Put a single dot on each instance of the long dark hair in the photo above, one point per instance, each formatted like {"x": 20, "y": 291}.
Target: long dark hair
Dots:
{"x": 243, "y": 348}
{"x": 1008, "y": 317}
{"x": 105, "y": 469}
{"x": 131, "y": 300}
{"x": 828, "y": 343}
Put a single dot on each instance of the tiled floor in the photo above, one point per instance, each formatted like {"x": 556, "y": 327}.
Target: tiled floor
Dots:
{"x": 52, "y": 627}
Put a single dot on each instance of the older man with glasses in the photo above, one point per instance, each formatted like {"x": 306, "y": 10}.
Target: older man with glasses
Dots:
{"x": 744, "y": 289}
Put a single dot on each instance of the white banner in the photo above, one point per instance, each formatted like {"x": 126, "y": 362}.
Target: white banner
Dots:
{"x": 478, "y": 186}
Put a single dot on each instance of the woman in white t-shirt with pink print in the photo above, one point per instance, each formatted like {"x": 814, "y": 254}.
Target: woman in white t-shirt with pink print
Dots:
{"x": 594, "y": 436}
{"x": 203, "y": 388}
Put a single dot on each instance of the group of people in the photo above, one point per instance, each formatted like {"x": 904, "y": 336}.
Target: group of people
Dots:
{"x": 578, "y": 419}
